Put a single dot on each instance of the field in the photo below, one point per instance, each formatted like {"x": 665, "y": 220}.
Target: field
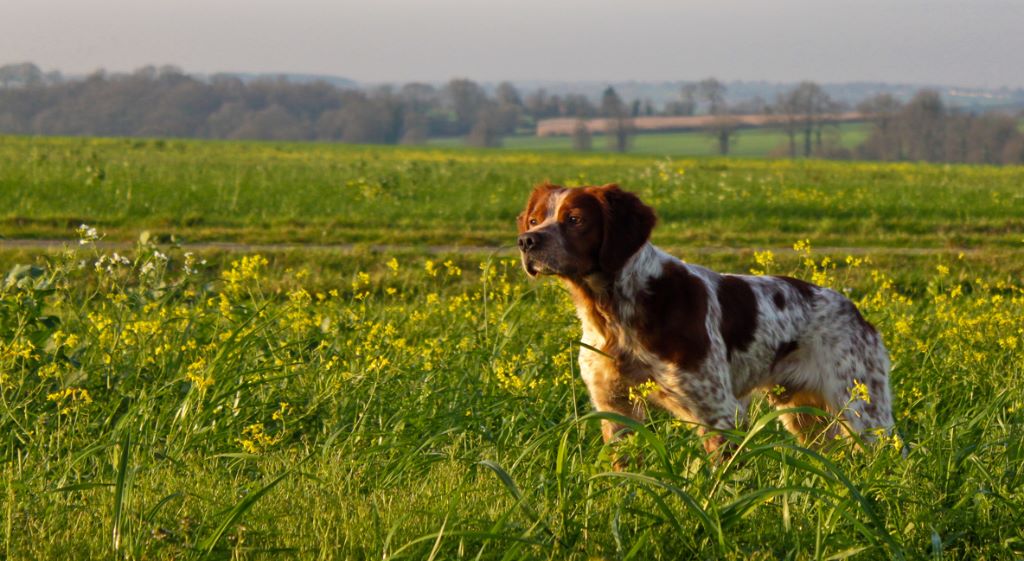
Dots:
{"x": 757, "y": 142}
{"x": 365, "y": 372}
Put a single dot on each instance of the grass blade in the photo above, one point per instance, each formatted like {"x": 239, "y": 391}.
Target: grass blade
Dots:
{"x": 119, "y": 488}
{"x": 241, "y": 508}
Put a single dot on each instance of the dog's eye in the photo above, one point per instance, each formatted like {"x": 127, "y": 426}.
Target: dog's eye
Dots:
{"x": 533, "y": 222}
{"x": 574, "y": 220}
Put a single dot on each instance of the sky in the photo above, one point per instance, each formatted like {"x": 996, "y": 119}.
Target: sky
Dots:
{"x": 964, "y": 42}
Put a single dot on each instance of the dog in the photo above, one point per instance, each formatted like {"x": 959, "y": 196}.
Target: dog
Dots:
{"x": 707, "y": 341}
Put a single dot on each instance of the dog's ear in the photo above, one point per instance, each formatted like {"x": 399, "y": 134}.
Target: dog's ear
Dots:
{"x": 627, "y": 226}
{"x": 539, "y": 194}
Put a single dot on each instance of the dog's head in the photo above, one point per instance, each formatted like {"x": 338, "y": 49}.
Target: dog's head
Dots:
{"x": 577, "y": 232}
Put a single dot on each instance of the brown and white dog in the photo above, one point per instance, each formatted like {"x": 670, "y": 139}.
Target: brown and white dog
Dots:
{"x": 707, "y": 340}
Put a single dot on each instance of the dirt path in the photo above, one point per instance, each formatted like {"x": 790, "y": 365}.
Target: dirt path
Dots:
{"x": 55, "y": 244}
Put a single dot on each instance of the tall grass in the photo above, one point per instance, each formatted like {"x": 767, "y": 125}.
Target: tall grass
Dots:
{"x": 414, "y": 407}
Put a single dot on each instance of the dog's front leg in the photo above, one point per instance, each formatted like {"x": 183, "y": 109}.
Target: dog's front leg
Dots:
{"x": 609, "y": 391}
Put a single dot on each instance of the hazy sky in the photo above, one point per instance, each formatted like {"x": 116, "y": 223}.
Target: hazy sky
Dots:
{"x": 964, "y": 42}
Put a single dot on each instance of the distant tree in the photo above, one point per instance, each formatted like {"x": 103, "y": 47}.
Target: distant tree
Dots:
{"x": 960, "y": 133}
{"x": 23, "y": 74}
{"x": 170, "y": 71}
{"x": 554, "y": 106}
{"x": 228, "y": 87}
{"x": 466, "y": 100}
{"x": 509, "y": 107}
{"x": 884, "y": 142}
{"x": 581, "y": 139}
{"x": 713, "y": 92}
{"x": 271, "y": 123}
{"x": 619, "y": 124}
{"x": 993, "y": 139}
{"x": 181, "y": 110}
{"x": 487, "y": 129}
{"x": 814, "y": 105}
{"x": 577, "y": 105}
{"x": 787, "y": 107}
{"x": 805, "y": 109}
{"x": 753, "y": 106}
{"x": 620, "y": 133}
{"x": 611, "y": 104}
{"x": 414, "y": 128}
{"x": 724, "y": 128}
{"x": 925, "y": 129}
{"x": 418, "y": 96}
{"x": 924, "y": 126}
{"x": 687, "y": 103}
{"x": 226, "y": 120}
{"x": 507, "y": 94}
{"x": 536, "y": 104}
{"x": 1013, "y": 151}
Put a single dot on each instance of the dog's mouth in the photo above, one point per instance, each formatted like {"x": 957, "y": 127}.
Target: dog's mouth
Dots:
{"x": 532, "y": 267}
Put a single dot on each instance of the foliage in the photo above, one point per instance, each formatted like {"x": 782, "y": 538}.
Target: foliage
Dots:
{"x": 158, "y": 402}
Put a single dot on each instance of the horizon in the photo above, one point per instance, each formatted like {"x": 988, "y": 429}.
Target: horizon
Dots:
{"x": 536, "y": 82}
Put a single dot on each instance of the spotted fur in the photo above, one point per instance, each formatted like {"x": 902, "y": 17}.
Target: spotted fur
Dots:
{"x": 707, "y": 340}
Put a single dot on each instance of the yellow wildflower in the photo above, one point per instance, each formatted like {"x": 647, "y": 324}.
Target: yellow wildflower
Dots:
{"x": 859, "y": 391}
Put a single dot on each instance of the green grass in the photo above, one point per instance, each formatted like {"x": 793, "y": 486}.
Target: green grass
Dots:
{"x": 323, "y": 193}
{"x": 755, "y": 142}
{"x": 399, "y": 404}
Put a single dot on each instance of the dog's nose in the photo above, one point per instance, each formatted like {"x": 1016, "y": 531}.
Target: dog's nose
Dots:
{"x": 528, "y": 241}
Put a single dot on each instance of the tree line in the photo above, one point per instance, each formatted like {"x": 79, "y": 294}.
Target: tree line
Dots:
{"x": 926, "y": 129}
{"x": 166, "y": 102}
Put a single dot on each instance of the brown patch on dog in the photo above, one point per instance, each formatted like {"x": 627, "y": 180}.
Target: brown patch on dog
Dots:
{"x": 806, "y": 289}
{"x": 782, "y": 352}
{"x": 581, "y": 222}
{"x": 675, "y": 309}
{"x": 627, "y": 225}
{"x": 739, "y": 314}
{"x": 780, "y": 300}
{"x": 536, "y": 206}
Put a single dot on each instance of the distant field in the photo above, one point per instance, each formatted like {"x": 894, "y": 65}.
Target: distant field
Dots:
{"x": 331, "y": 193}
{"x": 423, "y": 402}
{"x": 759, "y": 142}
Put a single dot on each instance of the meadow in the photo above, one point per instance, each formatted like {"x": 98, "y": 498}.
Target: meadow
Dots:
{"x": 748, "y": 143}
{"x": 378, "y": 379}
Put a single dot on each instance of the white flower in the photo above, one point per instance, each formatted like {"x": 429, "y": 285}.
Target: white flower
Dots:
{"x": 87, "y": 234}
{"x": 190, "y": 263}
